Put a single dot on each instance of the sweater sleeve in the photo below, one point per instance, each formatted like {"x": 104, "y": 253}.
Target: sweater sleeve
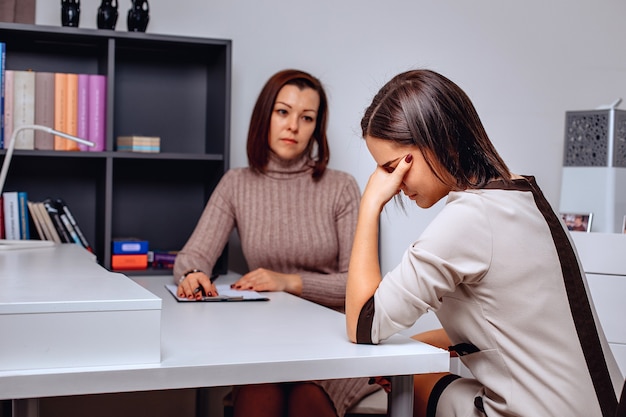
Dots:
{"x": 330, "y": 289}
{"x": 210, "y": 236}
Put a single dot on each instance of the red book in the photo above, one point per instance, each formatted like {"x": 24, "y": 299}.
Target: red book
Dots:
{"x": 139, "y": 261}
{"x": 1, "y": 217}
{"x": 97, "y": 111}
{"x": 83, "y": 110}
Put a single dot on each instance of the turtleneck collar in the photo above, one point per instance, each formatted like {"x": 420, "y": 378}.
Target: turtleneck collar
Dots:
{"x": 282, "y": 168}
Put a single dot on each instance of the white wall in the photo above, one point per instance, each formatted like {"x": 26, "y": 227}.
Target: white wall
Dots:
{"x": 523, "y": 63}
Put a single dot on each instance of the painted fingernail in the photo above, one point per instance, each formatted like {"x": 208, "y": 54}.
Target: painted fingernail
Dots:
{"x": 408, "y": 158}
{"x": 210, "y": 294}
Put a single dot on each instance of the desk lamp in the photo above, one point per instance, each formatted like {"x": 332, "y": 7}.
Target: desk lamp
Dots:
{"x": 12, "y": 244}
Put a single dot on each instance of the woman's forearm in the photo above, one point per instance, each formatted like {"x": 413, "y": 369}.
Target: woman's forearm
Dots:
{"x": 364, "y": 269}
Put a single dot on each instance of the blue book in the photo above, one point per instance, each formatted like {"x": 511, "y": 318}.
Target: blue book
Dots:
{"x": 2, "y": 70}
{"x": 22, "y": 202}
{"x": 129, "y": 246}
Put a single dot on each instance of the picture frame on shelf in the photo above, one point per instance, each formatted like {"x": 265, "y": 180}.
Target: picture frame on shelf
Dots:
{"x": 578, "y": 222}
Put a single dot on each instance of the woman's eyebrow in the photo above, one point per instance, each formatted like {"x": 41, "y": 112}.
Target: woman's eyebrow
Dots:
{"x": 387, "y": 164}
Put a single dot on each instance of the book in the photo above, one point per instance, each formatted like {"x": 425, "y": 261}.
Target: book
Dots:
{"x": 97, "y": 111}
{"x": 64, "y": 210}
{"x": 164, "y": 259}
{"x": 8, "y": 107}
{"x": 11, "y": 215}
{"x": 69, "y": 228}
{"x": 60, "y": 108}
{"x": 47, "y": 224}
{"x": 24, "y": 108}
{"x": 57, "y": 222}
{"x": 44, "y": 109}
{"x": 2, "y": 236}
{"x": 71, "y": 111}
{"x": 136, "y": 261}
{"x": 129, "y": 246}
{"x": 83, "y": 110}
{"x": 36, "y": 221}
{"x": 2, "y": 93}
{"x": 22, "y": 199}
{"x": 139, "y": 143}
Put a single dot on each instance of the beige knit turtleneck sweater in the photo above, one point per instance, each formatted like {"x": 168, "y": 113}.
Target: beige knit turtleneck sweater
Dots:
{"x": 286, "y": 222}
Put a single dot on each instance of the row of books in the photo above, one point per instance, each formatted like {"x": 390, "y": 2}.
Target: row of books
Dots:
{"x": 134, "y": 254}
{"x": 14, "y": 216}
{"x": 51, "y": 219}
{"x": 68, "y": 102}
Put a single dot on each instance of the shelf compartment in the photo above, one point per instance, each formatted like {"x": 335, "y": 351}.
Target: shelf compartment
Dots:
{"x": 161, "y": 201}
{"x": 186, "y": 85}
{"x": 80, "y": 183}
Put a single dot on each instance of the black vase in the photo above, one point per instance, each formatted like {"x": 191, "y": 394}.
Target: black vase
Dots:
{"x": 107, "y": 14}
{"x": 70, "y": 12}
{"x": 138, "y": 16}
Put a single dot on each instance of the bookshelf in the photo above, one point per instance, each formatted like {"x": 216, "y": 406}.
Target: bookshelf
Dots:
{"x": 174, "y": 87}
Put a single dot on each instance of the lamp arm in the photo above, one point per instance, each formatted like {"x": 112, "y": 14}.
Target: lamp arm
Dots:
{"x": 9, "y": 153}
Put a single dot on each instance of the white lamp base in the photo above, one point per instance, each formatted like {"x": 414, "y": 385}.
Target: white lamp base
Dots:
{"x": 6, "y": 244}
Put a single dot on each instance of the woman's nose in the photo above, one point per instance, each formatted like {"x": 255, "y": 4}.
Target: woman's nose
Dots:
{"x": 293, "y": 124}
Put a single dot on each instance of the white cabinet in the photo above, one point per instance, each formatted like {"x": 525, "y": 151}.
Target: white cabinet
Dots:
{"x": 603, "y": 256}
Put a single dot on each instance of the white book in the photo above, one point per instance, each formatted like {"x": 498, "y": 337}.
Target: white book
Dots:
{"x": 24, "y": 108}
{"x": 11, "y": 215}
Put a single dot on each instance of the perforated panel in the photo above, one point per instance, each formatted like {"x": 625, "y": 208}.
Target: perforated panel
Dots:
{"x": 587, "y": 139}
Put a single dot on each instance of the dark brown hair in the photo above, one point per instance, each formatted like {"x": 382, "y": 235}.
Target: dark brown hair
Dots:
{"x": 426, "y": 109}
{"x": 258, "y": 144}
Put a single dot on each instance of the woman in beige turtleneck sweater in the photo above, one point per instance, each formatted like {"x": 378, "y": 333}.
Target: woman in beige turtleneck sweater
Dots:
{"x": 296, "y": 221}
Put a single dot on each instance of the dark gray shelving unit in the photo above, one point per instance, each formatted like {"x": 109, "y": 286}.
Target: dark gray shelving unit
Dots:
{"x": 174, "y": 87}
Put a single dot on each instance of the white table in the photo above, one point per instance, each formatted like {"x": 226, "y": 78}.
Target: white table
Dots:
{"x": 59, "y": 309}
{"x": 234, "y": 343}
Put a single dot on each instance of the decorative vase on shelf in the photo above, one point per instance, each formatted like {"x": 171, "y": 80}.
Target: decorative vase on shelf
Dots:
{"x": 107, "y": 14}
{"x": 70, "y": 12}
{"x": 138, "y": 16}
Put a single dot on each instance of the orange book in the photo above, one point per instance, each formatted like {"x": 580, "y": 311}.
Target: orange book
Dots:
{"x": 71, "y": 121}
{"x": 60, "y": 109}
{"x": 138, "y": 261}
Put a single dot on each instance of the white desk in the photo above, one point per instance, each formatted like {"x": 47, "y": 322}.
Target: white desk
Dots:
{"x": 59, "y": 308}
{"x": 221, "y": 344}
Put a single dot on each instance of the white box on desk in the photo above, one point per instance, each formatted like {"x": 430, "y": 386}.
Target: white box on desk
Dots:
{"x": 60, "y": 309}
